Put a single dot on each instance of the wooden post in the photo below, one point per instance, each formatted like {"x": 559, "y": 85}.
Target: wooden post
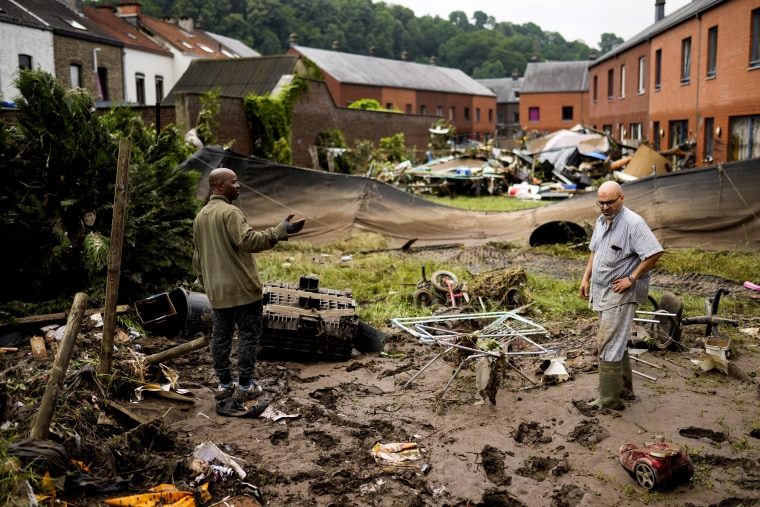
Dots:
{"x": 41, "y": 424}
{"x": 179, "y": 350}
{"x": 114, "y": 257}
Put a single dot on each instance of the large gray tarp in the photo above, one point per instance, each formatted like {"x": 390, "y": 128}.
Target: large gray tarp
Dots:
{"x": 712, "y": 208}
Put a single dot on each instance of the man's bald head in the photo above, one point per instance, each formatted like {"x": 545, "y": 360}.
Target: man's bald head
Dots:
{"x": 223, "y": 181}
{"x": 610, "y": 188}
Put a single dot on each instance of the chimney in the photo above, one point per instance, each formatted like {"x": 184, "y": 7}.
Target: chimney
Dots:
{"x": 592, "y": 55}
{"x": 433, "y": 60}
{"x": 129, "y": 12}
{"x": 659, "y": 10}
{"x": 372, "y": 51}
{"x": 186, "y": 23}
{"x": 336, "y": 45}
{"x": 293, "y": 39}
{"x": 515, "y": 75}
{"x": 405, "y": 56}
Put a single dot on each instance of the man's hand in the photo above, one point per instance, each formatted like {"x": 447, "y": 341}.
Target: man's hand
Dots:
{"x": 293, "y": 227}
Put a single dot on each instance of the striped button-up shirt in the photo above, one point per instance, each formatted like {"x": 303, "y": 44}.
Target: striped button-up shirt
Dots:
{"x": 618, "y": 249}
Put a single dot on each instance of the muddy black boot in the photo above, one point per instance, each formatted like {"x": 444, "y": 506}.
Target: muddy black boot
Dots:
{"x": 627, "y": 393}
{"x": 610, "y": 385}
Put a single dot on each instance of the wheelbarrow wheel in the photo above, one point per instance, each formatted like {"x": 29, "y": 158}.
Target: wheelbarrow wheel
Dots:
{"x": 672, "y": 304}
{"x": 439, "y": 280}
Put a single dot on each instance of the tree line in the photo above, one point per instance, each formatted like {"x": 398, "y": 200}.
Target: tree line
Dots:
{"x": 480, "y": 46}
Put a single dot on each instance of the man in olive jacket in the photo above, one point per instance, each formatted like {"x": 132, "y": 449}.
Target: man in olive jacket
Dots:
{"x": 224, "y": 263}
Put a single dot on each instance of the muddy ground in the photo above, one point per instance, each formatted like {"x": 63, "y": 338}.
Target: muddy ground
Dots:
{"x": 537, "y": 445}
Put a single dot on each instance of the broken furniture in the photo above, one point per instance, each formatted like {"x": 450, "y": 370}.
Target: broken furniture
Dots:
{"x": 504, "y": 334}
{"x": 668, "y": 322}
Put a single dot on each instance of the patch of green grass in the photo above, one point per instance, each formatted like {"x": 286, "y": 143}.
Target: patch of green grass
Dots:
{"x": 737, "y": 266}
{"x": 486, "y": 202}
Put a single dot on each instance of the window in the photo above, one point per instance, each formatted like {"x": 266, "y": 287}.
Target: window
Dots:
{"x": 140, "y": 87}
{"x": 452, "y": 113}
{"x": 25, "y": 61}
{"x": 709, "y": 138}
{"x": 656, "y": 129}
{"x": 610, "y": 84}
{"x": 477, "y": 115}
{"x": 642, "y": 74}
{"x": 679, "y": 130}
{"x": 423, "y": 109}
{"x": 686, "y": 60}
{"x": 439, "y": 111}
{"x": 102, "y": 83}
{"x": 466, "y": 114}
{"x": 745, "y": 137}
{"x": 567, "y": 113}
{"x": 75, "y": 75}
{"x": 621, "y": 132}
{"x": 490, "y": 116}
{"x": 500, "y": 118}
{"x": 636, "y": 131}
{"x": 408, "y": 109}
{"x": 389, "y": 106}
{"x": 517, "y": 118}
{"x": 712, "y": 50}
{"x": 534, "y": 114}
{"x": 595, "y": 89}
{"x": 755, "y": 40}
{"x": 657, "y": 69}
{"x": 159, "y": 89}
{"x": 607, "y": 129}
{"x": 622, "y": 81}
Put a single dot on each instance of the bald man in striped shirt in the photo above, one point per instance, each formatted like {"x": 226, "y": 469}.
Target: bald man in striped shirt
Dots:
{"x": 616, "y": 280}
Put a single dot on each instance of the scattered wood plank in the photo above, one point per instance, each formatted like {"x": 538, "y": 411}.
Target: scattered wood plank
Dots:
{"x": 50, "y": 317}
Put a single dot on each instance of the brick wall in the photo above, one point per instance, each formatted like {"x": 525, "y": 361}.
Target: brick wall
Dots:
{"x": 69, "y": 51}
{"x": 550, "y": 108}
{"x": 316, "y": 111}
{"x": 620, "y": 110}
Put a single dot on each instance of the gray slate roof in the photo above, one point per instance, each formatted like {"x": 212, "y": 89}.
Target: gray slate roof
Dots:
{"x": 506, "y": 88}
{"x": 686, "y": 12}
{"x": 11, "y": 12}
{"x": 238, "y": 77}
{"x": 235, "y": 45}
{"x": 556, "y": 77}
{"x": 58, "y": 16}
{"x": 373, "y": 71}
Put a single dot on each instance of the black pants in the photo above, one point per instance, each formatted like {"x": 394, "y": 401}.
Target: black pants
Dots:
{"x": 249, "y": 319}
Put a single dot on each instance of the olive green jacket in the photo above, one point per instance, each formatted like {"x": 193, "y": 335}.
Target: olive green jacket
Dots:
{"x": 223, "y": 257}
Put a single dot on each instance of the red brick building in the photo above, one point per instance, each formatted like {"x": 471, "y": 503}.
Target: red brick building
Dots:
{"x": 554, "y": 96}
{"x": 408, "y": 87}
{"x": 701, "y": 77}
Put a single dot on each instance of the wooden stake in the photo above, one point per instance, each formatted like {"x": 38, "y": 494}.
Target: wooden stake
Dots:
{"x": 41, "y": 424}
{"x": 114, "y": 256}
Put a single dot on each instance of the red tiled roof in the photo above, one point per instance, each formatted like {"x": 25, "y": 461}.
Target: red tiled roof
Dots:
{"x": 107, "y": 20}
{"x": 197, "y": 43}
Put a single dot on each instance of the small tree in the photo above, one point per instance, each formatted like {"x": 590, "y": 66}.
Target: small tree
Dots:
{"x": 207, "y": 121}
{"x": 56, "y": 198}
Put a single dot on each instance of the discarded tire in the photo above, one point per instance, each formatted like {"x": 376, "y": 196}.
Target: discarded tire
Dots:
{"x": 424, "y": 297}
{"x": 439, "y": 280}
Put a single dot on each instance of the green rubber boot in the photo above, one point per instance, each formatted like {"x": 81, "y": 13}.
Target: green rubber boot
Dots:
{"x": 610, "y": 385}
{"x": 627, "y": 393}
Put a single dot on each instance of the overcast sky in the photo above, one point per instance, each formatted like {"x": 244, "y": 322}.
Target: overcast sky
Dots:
{"x": 586, "y": 20}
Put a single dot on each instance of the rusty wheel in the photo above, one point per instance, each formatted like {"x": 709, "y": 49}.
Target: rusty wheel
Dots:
{"x": 424, "y": 297}
{"x": 439, "y": 280}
